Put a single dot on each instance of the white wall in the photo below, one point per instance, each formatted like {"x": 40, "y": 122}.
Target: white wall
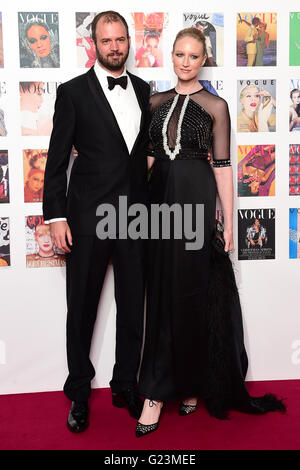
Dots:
{"x": 33, "y": 308}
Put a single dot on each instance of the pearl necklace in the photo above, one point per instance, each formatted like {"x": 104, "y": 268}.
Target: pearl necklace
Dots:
{"x": 169, "y": 152}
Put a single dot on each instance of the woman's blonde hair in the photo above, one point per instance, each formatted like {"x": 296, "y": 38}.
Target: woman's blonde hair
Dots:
{"x": 246, "y": 88}
{"x": 192, "y": 33}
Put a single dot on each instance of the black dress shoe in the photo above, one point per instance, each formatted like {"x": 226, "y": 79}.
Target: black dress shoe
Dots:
{"x": 129, "y": 399}
{"x": 78, "y": 416}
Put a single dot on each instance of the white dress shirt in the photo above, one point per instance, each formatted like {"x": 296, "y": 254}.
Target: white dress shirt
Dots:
{"x": 124, "y": 105}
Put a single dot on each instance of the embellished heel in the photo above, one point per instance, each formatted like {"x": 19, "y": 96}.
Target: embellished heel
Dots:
{"x": 187, "y": 409}
{"x": 143, "y": 429}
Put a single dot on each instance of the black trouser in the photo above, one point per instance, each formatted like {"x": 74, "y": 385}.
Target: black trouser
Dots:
{"x": 86, "y": 270}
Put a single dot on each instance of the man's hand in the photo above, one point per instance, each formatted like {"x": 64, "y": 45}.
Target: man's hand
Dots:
{"x": 61, "y": 235}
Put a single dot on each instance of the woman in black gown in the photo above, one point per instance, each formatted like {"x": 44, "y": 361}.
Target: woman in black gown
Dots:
{"x": 194, "y": 334}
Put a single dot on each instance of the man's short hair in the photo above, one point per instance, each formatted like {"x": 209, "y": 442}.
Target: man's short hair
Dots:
{"x": 109, "y": 16}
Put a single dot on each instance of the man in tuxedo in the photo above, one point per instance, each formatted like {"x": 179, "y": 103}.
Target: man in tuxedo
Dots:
{"x": 103, "y": 114}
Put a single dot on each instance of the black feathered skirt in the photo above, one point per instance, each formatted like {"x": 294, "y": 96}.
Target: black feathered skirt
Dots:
{"x": 194, "y": 344}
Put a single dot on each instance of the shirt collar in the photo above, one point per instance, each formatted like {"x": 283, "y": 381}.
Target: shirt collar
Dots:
{"x": 103, "y": 74}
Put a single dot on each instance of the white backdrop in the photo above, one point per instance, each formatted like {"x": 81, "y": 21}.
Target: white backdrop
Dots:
{"x": 33, "y": 307}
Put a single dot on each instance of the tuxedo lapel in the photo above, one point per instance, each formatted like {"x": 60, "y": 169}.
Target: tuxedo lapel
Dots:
{"x": 103, "y": 105}
{"x": 142, "y": 105}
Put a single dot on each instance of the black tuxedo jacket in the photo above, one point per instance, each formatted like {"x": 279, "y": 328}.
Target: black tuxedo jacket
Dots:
{"x": 104, "y": 169}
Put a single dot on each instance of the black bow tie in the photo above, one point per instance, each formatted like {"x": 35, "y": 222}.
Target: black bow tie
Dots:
{"x": 112, "y": 82}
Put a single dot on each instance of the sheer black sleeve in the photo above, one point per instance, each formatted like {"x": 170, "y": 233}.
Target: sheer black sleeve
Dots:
{"x": 221, "y": 134}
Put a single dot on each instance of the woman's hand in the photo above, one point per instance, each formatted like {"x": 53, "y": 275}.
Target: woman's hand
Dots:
{"x": 228, "y": 237}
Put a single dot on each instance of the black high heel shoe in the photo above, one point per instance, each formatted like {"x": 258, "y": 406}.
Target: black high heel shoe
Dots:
{"x": 143, "y": 429}
{"x": 187, "y": 409}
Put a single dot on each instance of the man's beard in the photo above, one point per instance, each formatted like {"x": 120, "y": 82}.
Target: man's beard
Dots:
{"x": 112, "y": 64}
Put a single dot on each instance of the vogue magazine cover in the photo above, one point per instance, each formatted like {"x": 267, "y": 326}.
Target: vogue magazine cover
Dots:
{"x": 1, "y": 43}
{"x": 38, "y": 39}
{"x": 294, "y": 233}
{"x": 4, "y": 242}
{"x": 212, "y": 26}
{"x": 37, "y": 107}
{"x": 256, "y": 170}
{"x": 256, "y": 105}
{"x": 256, "y": 234}
{"x": 149, "y": 28}
{"x": 40, "y": 250}
{"x": 216, "y": 87}
{"x": 256, "y": 39}
{"x": 34, "y": 163}
{"x": 86, "y": 51}
{"x": 294, "y": 110}
{"x": 4, "y": 177}
{"x": 157, "y": 86}
{"x": 3, "y": 108}
{"x": 294, "y": 170}
{"x": 295, "y": 38}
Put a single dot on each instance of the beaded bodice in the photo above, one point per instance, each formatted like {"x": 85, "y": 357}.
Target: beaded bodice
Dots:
{"x": 190, "y": 126}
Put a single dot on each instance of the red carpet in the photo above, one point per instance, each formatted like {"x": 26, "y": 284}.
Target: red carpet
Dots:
{"x": 37, "y": 422}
